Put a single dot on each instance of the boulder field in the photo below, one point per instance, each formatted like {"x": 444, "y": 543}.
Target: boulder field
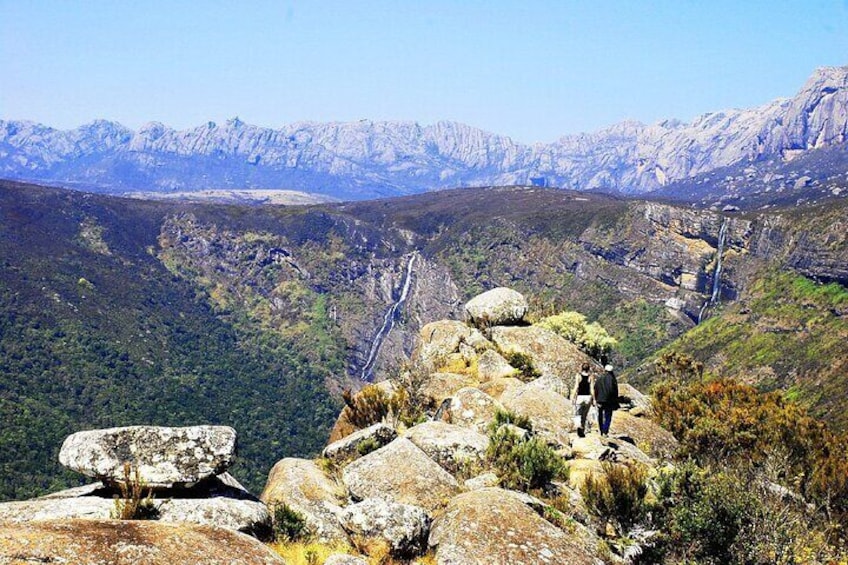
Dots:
{"x": 409, "y": 469}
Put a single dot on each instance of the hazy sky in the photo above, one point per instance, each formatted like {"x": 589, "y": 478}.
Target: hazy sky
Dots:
{"x": 533, "y": 70}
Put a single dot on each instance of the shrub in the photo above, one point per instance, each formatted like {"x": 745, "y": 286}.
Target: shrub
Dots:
{"x": 524, "y": 363}
{"x": 508, "y": 417}
{"x": 522, "y": 463}
{"x": 289, "y": 524}
{"x": 592, "y": 338}
{"x": 369, "y": 406}
{"x": 367, "y": 446}
{"x": 617, "y": 495}
{"x": 134, "y": 503}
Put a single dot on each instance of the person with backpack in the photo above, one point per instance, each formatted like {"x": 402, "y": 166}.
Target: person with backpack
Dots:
{"x": 606, "y": 397}
{"x": 582, "y": 398}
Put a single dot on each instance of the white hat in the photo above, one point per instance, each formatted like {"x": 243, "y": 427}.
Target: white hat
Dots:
{"x": 608, "y": 368}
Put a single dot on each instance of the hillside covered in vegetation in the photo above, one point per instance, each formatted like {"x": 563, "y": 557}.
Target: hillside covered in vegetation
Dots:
{"x": 117, "y": 311}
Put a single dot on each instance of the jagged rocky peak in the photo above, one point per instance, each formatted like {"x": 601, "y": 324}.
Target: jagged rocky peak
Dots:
{"x": 415, "y": 457}
{"x": 369, "y": 158}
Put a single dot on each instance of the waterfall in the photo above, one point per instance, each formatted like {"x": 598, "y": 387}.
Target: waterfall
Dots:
{"x": 388, "y": 321}
{"x": 715, "y": 296}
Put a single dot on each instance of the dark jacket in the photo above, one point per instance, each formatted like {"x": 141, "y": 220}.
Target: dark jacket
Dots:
{"x": 606, "y": 390}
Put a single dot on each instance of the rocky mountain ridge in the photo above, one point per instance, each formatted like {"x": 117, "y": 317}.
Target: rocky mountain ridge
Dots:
{"x": 368, "y": 159}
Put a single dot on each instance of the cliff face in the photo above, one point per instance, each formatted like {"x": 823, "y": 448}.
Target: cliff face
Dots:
{"x": 367, "y": 159}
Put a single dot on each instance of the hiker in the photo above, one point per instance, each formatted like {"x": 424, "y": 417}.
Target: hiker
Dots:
{"x": 606, "y": 397}
{"x": 582, "y": 399}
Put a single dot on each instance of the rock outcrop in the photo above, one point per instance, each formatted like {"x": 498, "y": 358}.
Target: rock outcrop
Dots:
{"x": 403, "y": 526}
{"x": 453, "y": 447}
{"x": 163, "y": 457}
{"x": 492, "y": 525}
{"x": 348, "y": 448}
{"x": 403, "y": 473}
{"x": 117, "y": 542}
{"x": 303, "y": 486}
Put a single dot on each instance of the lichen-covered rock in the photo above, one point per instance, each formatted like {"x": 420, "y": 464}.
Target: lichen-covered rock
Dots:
{"x": 219, "y": 501}
{"x": 440, "y": 386}
{"x": 163, "y": 456}
{"x": 125, "y": 542}
{"x": 347, "y": 448}
{"x": 403, "y": 526}
{"x": 491, "y": 365}
{"x": 301, "y": 485}
{"x": 482, "y": 481}
{"x": 343, "y": 559}
{"x": 451, "y": 446}
{"x": 496, "y": 387}
{"x": 550, "y": 413}
{"x": 497, "y": 307}
{"x": 494, "y": 526}
{"x": 648, "y": 436}
{"x": 472, "y": 408}
{"x": 247, "y": 516}
{"x": 444, "y": 338}
{"x": 551, "y": 354}
{"x": 400, "y": 472}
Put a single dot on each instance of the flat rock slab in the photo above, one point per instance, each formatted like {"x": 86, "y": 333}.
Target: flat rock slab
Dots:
{"x": 400, "y": 472}
{"x": 119, "y": 542}
{"x": 495, "y": 526}
{"x": 240, "y": 513}
{"x": 164, "y": 457}
{"x": 304, "y": 487}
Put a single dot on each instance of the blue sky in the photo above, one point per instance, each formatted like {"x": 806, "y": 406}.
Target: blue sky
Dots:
{"x": 533, "y": 70}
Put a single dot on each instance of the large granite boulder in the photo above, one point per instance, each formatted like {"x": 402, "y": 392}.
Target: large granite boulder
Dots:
{"x": 496, "y": 387}
{"x": 495, "y": 526}
{"x": 123, "y": 542}
{"x": 164, "y": 457}
{"x": 347, "y": 448}
{"x": 498, "y": 307}
{"x": 403, "y": 526}
{"x": 492, "y": 365}
{"x": 445, "y": 338}
{"x": 301, "y": 485}
{"x": 400, "y": 472}
{"x": 551, "y": 354}
{"x": 440, "y": 386}
{"x": 453, "y": 447}
{"x": 472, "y": 408}
{"x": 550, "y": 413}
{"x": 633, "y": 399}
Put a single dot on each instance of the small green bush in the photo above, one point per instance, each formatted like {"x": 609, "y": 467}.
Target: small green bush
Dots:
{"x": 524, "y": 363}
{"x": 618, "y": 495}
{"x": 522, "y": 463}
{"x": 508, "y": 417}
{"x": 367, "y": 446}
{"x": 289, "y": 524}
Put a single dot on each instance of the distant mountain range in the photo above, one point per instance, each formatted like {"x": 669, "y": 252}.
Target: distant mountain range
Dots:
{"x": 369, "y": 159}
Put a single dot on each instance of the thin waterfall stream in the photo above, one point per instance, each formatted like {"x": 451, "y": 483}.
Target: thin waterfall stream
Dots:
{"x": 715, "y": 296}
{"x": 388, "y": 321}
